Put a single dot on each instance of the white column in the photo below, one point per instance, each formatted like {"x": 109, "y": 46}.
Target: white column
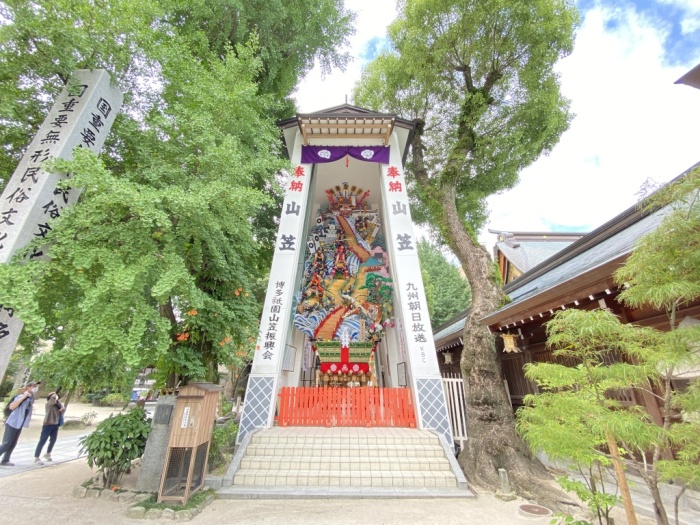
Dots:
{"x": 413, "y": 306}
{"x": 276, "y": 320}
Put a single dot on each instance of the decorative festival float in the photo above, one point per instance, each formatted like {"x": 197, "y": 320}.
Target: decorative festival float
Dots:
{"x": 346, "y": 297}
{"x": 345, "y": 336}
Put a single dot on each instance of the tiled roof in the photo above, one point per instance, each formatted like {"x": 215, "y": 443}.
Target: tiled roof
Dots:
{"x": 621, "y": 243}
{"x": 614, "y": 239}
{"x": 454, "y": 328}
{"x": 528, "y": 254}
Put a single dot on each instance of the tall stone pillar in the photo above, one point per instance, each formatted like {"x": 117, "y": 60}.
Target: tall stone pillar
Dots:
{"x": 423, "y": 367}
{"x": 81, "y": 117}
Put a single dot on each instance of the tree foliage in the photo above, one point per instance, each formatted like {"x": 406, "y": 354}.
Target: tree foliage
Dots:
{"x": 446, "y": 290}
{"x": 479, "y": 74}
{"x": 164, "y": 258}
{"x": 664, "y": 269}
{"x": 663, "y": 272}
{"x": 478, "y": 78}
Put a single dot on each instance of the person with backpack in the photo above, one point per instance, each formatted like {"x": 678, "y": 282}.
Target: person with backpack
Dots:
{"x": 49, "y": 431}
{"x": 21, "y": 407}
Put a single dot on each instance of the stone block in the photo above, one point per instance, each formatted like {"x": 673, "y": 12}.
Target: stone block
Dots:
{"x": 215, "y": 482}
{"x": 168, "y": 514}
{"x": 111, "y": 495}
{"x": 140, "y": 496}
{"x": 93, "y": 493}
{"x": 136, "y": 513}
{"x": 156, "y": 448}
{"x": 128, "y": 496}
{"x": 79, "y": 492}
{"x": 183, "y": 515}
{"x": 153, "y": 514}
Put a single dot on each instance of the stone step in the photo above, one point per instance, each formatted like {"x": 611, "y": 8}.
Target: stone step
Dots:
{"x": 402, "y": 438}
{"x": 365, "y": 478}
{"x": 433, "y": 450}
{"x": 257, "y": 462}
{"x": 341, "y": 492}
{"x": 311, "y": 461}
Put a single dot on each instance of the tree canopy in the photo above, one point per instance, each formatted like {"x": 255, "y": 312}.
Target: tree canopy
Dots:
{"x": 164, "y": 258}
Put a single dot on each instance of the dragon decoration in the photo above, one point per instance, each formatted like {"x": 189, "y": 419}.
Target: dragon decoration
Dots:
{"x": 345, "y": 302}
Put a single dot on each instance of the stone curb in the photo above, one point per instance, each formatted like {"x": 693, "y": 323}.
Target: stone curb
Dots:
{"x": 454, "y": 464}
{"x": 136, "y": 511}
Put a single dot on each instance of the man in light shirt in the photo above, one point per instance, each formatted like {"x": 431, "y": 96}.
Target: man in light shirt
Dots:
{"x": 20, "y": 417}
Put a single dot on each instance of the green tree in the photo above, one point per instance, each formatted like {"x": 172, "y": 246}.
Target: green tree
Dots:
{"x": 446, "y": 290}
{"x": 478, "y": 77}
{"x": 574, "y": 415}
{"x": 663, "y": 272}
{"x": 163, "y": 258}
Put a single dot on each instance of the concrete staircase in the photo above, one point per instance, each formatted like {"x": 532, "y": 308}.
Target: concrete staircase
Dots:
{"x": 344, "y": 461}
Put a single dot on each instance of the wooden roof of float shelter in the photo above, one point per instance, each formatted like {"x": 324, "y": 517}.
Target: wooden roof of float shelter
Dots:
{"x": 346, "y": 125}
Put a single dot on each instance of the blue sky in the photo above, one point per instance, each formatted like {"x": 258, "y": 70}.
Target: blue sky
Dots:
{"x": 632, "y": 122}
{"x": 678, "y": 19}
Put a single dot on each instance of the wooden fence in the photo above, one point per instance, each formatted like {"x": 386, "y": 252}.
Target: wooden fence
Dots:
{"x": 346, "y": 407}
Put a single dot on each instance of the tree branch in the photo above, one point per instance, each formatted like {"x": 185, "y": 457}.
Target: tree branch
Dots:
{"x": 420, "y": 171}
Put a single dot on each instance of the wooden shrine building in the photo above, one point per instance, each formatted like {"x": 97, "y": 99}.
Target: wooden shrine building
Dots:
{"x": 579, "y": 275}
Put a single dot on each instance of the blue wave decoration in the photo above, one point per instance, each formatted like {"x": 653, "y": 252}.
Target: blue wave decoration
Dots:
{"x": 353, "y": 263}
{"x": 352, "y": 323}
{"x": 307, "y": 322}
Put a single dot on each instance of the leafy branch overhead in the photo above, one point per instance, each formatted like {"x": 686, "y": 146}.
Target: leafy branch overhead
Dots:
{"x": 163, "y": 261}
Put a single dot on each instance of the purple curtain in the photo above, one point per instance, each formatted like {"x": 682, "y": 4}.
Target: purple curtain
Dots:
{"x": 321, "y": 154}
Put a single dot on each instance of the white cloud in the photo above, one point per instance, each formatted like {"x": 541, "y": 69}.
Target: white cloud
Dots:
{"x": 632, "y": 123}
{"x": 690, "y": 6}
{"x": 316, "y": 93}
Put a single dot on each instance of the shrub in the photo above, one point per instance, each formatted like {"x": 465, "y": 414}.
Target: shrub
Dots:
{"x": 226, "y": 405}
{"x": 115, "y": 443}
{"x": 95, "y": 398}
{"x": 88, "y": 417}
{"x": 6, "y": 386}
{"x": 222, "y": 440}
{"x": 114, "y": 400}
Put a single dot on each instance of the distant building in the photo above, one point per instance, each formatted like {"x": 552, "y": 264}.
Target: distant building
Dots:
{"x": 519, "y": 252}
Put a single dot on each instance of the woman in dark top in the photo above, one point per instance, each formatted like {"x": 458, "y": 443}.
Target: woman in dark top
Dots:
{"x": 49, "y": 431}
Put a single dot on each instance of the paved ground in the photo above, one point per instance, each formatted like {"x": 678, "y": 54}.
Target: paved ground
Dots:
{"x": 43, "y": 493}
{"x": 67, "y": 444}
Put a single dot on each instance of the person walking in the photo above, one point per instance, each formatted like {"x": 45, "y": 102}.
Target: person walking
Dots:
{"x": 21, "y": 415}
{"x": 49, "y": 431}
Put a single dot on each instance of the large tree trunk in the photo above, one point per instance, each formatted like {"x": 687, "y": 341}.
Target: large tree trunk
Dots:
{"x": 492, "y": 440}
